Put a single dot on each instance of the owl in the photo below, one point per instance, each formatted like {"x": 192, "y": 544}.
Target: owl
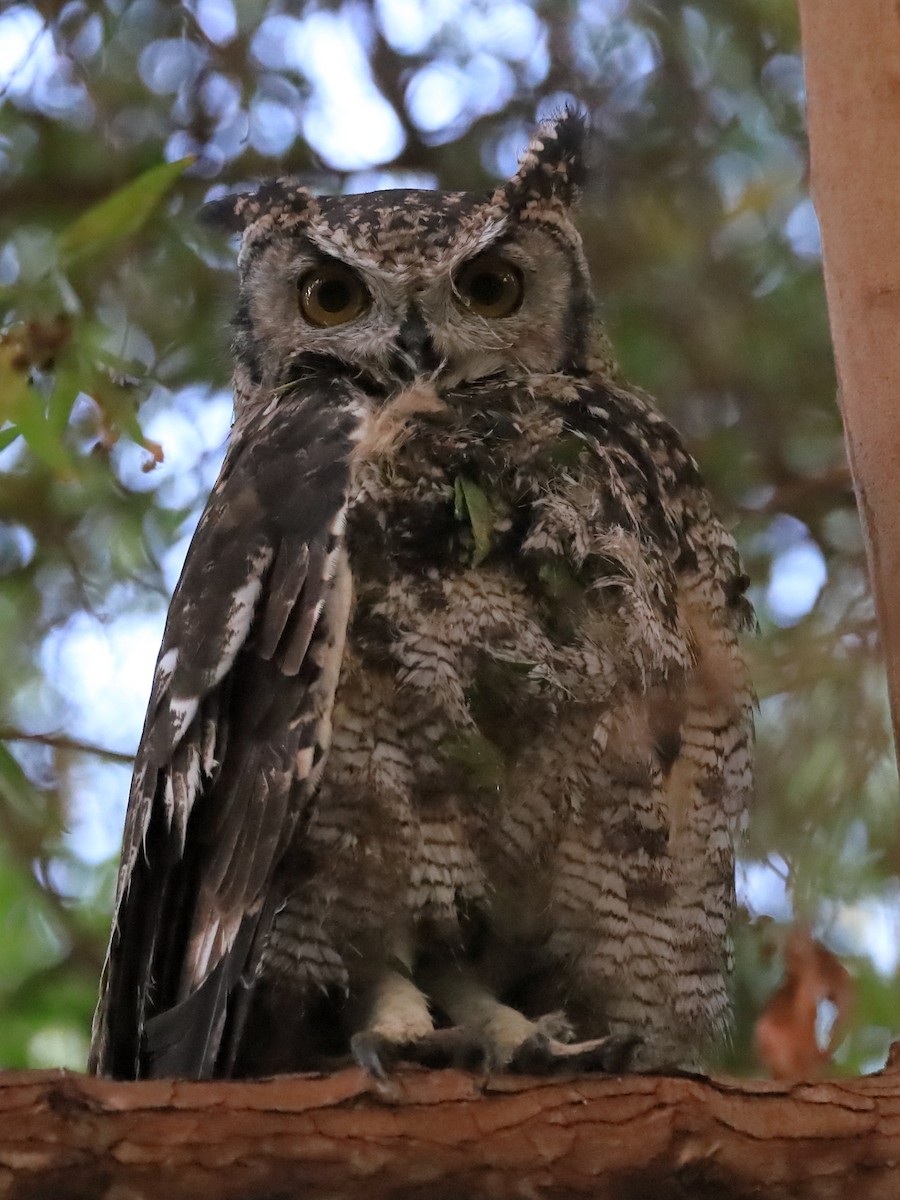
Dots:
{"x": 449, "y": 734}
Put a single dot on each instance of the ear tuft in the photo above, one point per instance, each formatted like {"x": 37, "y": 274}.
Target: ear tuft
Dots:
{"x": 553, "y": 168}
{"x": 221, "y": 213}
{"x": 235, "y": 213}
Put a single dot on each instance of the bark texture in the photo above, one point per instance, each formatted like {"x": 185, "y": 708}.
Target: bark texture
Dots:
{"x": 447, "y": 1135}
{"x": 852, "y": 63}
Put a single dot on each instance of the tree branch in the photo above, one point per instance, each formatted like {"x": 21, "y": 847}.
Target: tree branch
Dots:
{"x": 59, "y": 741}
{"x": 447, "y": 1134}
{"x": 854, "y": 109}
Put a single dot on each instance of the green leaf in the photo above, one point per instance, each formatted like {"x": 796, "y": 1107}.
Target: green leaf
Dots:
{"x": 15, "y": 786}
{"x": 22, "y": 405}
{"x": 471, "y": 502}
{"x": 559, "y": 582}
{"x": 43, "y": 439}
{"x": 459, "y": 500}
{"x": 118, "y": 403}
{"x": 567, "y": 451}
{"x": 66, "y": 386}
{"x": 120, "y": 215}
{"x": 480, "y": 759}
{"x": 15, "y": 392}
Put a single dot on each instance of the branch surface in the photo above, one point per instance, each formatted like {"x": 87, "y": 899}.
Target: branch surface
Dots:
{"x": 447, "y": 1135}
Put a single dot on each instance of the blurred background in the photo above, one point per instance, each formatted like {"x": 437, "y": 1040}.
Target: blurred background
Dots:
{"x": 114, "y": 401}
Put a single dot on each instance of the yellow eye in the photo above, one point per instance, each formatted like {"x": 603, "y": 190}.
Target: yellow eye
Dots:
{"x": 489, "y": 286}
{"x": 332, "y": 294}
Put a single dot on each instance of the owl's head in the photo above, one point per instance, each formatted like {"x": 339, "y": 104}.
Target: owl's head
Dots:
{"x": 395, "y": 285}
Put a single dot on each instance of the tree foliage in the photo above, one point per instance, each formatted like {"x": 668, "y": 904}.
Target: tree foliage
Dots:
{"x": 118, "y": 119}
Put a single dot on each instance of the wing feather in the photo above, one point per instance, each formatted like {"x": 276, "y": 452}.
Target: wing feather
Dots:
{"x": 289, "y": 574}
{"x": 221, "y": 775}
{"x": 299, "y": 628}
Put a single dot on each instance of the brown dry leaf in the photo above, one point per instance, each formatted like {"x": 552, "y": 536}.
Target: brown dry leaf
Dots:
{"x": 786, "y": 1031}
{"x": 33, "y": 345}
{"x": 155, "y": 451}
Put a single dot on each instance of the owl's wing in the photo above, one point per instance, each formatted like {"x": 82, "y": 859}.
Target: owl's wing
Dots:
{"x": 234, "y": 740}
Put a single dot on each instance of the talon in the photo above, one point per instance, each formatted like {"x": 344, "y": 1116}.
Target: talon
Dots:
{"x": 556, "y": 1026}
{"x": 379, "y": 1056}
{"x": 543, "y": 1055}
{"x": 533, "y": 1056}
{"x": 621, "y": 1052}
{"x": 374, "y": 1053}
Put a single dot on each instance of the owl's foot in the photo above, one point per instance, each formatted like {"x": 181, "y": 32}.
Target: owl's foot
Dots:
{"x": 398, "y": 1018}
{"x": 546, "y": 1046}
{"x": 486, "y": 1035}
{"x": 506, "y": 1039}
{"x": 539, "y": 1053}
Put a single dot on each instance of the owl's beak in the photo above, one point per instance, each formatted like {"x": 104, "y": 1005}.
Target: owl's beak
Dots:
{"x": 415, "y": 349}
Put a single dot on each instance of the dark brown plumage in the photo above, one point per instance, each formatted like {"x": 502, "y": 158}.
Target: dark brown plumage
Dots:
{"x": 448, "y": 741}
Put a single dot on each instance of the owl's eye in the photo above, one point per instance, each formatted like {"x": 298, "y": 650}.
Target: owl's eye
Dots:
{"x": 332, "y": 294}
{"x": 489, "y": 286}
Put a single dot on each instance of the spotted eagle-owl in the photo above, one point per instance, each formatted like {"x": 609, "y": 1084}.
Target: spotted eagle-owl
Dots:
{"x": 448, "y": 737}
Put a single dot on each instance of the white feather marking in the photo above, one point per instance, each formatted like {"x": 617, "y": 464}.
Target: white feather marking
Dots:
{"x": 192, "y": 784}
{"x": 240, "y": 614}
{"x": 202, "y": 948}
{"x": 209, "y": 946}
{"x": 304, "y": 760}
{"x": 165, "y": 669}
{"x": 182, "y": 710}
{"x": 169, "y": 801}
{"x": 208, "y": 747}
{"x": 340, "y": 521}
{"x": 330, "y": 565}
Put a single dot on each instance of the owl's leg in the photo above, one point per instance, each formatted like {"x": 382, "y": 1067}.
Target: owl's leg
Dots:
{"x": 484, "y": 1033}
{"x": 397, "y": 1016}
{"x": 507, "y": 1039}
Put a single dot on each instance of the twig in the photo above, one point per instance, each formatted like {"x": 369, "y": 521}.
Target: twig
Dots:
{"x": 59, "y": 741}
